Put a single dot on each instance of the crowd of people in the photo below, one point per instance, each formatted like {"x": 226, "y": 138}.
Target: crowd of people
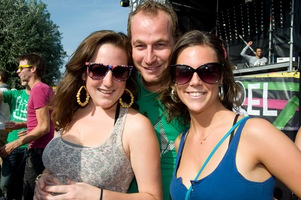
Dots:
{"x": 131, "y": 119}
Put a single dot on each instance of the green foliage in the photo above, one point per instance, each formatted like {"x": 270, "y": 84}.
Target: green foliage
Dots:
{"x": 25, "y": 27}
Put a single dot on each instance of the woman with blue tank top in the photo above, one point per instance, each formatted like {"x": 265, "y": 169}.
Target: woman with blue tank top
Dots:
{"x": 223, "y": 155}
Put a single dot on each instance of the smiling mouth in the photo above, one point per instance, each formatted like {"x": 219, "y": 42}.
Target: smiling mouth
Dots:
{"x": 106, "y": 91}
{"x": 195, "y": 94}
{"x": 152, "y": 69}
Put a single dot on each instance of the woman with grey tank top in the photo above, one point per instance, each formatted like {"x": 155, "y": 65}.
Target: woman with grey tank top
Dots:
{"x": 101, "y": 142}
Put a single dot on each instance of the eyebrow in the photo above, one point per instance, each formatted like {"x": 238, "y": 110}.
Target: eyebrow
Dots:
{"x": 157, "y": 41}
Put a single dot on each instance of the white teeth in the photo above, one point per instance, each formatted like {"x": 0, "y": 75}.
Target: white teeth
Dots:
{"x": 151, "y": 69}
{"x": 106, "y": 91}
{"x": 195, "y": 94}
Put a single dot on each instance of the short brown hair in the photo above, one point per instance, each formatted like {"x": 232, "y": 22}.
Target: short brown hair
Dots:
{"x": 35, "y": 60}
{"x": 151, "y": 8}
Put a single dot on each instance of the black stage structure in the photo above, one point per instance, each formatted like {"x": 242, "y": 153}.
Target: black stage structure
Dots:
{"x": 268, "y": 23}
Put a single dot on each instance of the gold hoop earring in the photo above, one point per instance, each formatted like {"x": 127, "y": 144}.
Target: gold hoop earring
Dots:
{"x": 127, "y": 105}
{"x": 78, "y": 96}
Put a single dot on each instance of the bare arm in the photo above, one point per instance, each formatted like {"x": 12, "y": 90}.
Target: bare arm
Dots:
{"x": 278, "y": 154}
{"x": 145, "y": 160}
{"x": 41, "y": 129}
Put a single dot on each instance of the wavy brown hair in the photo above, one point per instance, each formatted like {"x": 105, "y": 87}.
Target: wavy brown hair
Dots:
{"x": 64, "y": 104}
{"x": 193, "y": 38}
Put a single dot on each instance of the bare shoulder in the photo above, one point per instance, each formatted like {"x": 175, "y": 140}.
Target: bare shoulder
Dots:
{"x": 258, "y": 126}
{"x": 136, "y": 121}
{"x": 260, "y": 131}
{"x": 139, "y": 133}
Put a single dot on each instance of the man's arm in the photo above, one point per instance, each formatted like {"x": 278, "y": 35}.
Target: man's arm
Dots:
{"x": 41, "y": 129}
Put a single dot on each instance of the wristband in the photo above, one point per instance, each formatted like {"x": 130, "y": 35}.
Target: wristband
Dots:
{"x": 101, "y": 193}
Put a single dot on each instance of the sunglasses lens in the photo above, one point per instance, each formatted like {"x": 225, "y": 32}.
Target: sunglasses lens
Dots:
{"x": 97, "y": 71}
{"x": 181, "y": 74}
{"x": 121, "y": 73}
{"x": 210, "y": 72}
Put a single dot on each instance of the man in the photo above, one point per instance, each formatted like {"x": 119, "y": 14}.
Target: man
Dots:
{"x": 256, "y": 60}
{"x": 4, "y": 107}
{"x": 153, "y": 30}
{"x": 40, "y": 130}
{"x": 13, "y": 165}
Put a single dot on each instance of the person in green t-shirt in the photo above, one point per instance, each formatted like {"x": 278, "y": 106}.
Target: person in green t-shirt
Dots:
{"x": 13, "y": 165}
{"x": 153, "y": 30}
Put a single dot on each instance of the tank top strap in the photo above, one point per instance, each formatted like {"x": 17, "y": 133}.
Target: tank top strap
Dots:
{"x": 181, "y": 146}
{"x": 119, "y": 126}
{"x": 234, "y": 143}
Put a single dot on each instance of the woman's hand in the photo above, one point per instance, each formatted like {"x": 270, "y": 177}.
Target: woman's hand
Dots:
{"x": 74, "y": 191}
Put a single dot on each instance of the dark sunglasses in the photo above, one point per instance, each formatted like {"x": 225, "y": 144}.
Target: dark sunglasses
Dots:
{"x": 209, "y": 73}
{"x": 98, "y": 71}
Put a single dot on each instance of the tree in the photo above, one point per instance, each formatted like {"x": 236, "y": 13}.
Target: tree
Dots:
{"x": 25, "y": 27}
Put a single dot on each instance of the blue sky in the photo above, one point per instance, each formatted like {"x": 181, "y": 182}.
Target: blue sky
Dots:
{"x": 78, "y": 18}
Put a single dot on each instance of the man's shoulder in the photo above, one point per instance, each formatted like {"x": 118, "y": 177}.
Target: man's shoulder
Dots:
{"x": 41, "y": 86}
{"x": 4, "y": 87}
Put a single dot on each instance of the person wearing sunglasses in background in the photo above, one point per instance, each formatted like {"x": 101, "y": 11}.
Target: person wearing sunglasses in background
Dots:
{"x": 222, "y": 155}
{"x": 40, "y": 130}
{"x": 153, "y": 31}
{"x": 102, "y": 142}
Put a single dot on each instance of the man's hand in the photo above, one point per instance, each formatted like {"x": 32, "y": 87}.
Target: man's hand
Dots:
{"x": 7, "y": 149}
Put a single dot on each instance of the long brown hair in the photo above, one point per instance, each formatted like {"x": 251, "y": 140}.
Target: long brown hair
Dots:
{"x": 189, "y": 39}
{"x": 64, "y": 103}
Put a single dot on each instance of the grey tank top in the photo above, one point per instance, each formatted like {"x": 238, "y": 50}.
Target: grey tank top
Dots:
{"x": 105, "y": 166}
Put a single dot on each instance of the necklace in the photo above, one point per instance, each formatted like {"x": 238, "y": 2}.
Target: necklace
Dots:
{"x": 203, "y": 140}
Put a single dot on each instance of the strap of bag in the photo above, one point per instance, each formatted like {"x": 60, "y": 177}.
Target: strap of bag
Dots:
{"x": 213, "y": 151}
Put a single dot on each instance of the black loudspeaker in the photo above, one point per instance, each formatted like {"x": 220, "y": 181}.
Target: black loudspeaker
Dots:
{"x": 125, "y": 3}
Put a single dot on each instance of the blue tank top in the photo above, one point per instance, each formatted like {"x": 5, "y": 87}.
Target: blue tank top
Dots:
{"x": 225, "y": 182}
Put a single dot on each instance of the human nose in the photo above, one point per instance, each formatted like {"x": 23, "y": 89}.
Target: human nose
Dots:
{"x": 150, "y": 56}
{"x": 195, "y": 79}
{"x": 108, "y": 79}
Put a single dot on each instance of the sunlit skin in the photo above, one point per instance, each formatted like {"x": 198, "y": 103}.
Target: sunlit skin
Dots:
{"x": 151, "y": 47}
{"x": 106, "y": 92}
{"x": 196, "y": 94}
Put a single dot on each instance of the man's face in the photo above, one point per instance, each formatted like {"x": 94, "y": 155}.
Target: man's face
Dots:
{"x": 258, "y": 52}
{"x": 24, "y": 72}
{"x": 152, "y": 43}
